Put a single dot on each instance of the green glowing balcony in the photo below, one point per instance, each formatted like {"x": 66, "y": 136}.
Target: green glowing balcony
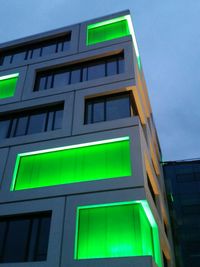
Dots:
{"x": 78, "y": 163}
{"x": 107, "y": 30}
{"x": 124, "y": 229}
{"x": 8, "y": 85}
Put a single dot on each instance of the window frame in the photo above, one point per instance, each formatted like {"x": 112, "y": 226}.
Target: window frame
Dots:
{"x": 55, "y": 237}
{"x": 105, "y": 98}
{"x": 15, "y": 117}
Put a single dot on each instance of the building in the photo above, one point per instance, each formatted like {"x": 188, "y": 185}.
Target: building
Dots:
{"x": 81, "y": 182}
{"x": 183, "y": 189}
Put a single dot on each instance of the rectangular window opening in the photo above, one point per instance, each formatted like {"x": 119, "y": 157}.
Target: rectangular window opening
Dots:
{"x": 80, "y": 72}
{"x": 124, "y": 229}
{"x": 109, "y": 107}
{"x": 107, "y": 30}
{"x": 36, "y": 50}
{"x": 77, "y": 163}
{"x": 31, "y": 121}
{"x": 24, "y": 237}
{"x": 8, "y": 85}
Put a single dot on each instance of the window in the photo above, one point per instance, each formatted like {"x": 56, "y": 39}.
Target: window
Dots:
{"x": 109, "y": 107}
{"x": 36, "y": 50}
{"x": 8, "y": 85}
{"x": 108, "y": 30}
{"x": 94, "y": 161}
{"x": 122, "y": 229}
{"x": 31, "y": 122}
{"x": 24, "y": 238}
{"x": 81, "y": 72}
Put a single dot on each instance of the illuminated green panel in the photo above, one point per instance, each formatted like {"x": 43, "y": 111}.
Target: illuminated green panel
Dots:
{"x": 8, "y": 85}
{"x": 122, "y": 229}
{"x": 107, "y": 30}
{"x": 72, "y": 164}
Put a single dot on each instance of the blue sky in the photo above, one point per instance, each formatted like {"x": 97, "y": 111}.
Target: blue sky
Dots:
{"x": 168, "y": 37}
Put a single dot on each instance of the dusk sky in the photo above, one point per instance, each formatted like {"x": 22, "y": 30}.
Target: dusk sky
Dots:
{"x": 168, "y": 38}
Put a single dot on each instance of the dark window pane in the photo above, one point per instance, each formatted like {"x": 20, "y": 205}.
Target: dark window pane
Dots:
{"x": 50, "y": 121}
{"x": 58, "y": 119}
{"x": 61, "y": 79}
{"x": 13, "y": 125}
{"x": 66, "y": 45}
{"x": 4, "y": 128}
{"x": 121, "y": 67}
{"x": 75, "y": 76}
{"x": 49, "y": 49}
{"x": 117, "y": 107}
{"x": 33, "y": 239}
{"x": 21, "y": 126}
{"x": 3, "y": 227}
{"x": 88, "y": 113}
{"x": 84, "y": 74}
{"x": 49, "y": 82}
{"x": 41, "y": 83}
{"x": 24, "y": 238}
{"x": 7, "y": 60}
{"x": 60, "y": 47}
{"x": 19, "y": 57}
{"x": 98, "y": 111}
{"x": 111, "y": 67}
{"x": 36, "y": 53}
{"x": 43, "y": 238}
{"x": 80, "y": 72}
{"x": 96, "y": 71}
{"x": 16, "y": 241}
{"x": 37, "y": 123}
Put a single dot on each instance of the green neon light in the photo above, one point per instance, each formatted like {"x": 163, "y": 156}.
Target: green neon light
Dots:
{"x": 77, "y": 163}
{"x": 112, "y": 29}
{"x": 8, "y": 85}
{"x": 107, "y": 30}
{"x": 123, "y": 229}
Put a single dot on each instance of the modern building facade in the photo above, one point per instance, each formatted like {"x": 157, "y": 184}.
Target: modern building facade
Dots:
{"x": 183, "y": 188}
{"x": 80, "y": 175}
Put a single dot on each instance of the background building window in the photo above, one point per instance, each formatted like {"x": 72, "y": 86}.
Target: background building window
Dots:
{"x": 109, "y": 107}
{"x": 24, "y": 238}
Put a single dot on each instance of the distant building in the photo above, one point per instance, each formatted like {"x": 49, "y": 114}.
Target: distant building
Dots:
{"x": 80, "y": 175}
{"x": 183, "y": 189}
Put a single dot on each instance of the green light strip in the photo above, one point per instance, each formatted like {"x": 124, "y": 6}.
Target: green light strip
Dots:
{"x": 10, "y": 76}
{"x": 144, "y": 204}
{"x": 75, "y": 146}
{"x": 106, "y": 22}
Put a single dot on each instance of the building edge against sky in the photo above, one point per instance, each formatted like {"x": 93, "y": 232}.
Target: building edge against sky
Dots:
{"x": 80, "y": 153}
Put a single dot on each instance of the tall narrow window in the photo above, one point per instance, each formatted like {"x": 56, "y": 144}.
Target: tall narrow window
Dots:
{"x": 24, "y": 238}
